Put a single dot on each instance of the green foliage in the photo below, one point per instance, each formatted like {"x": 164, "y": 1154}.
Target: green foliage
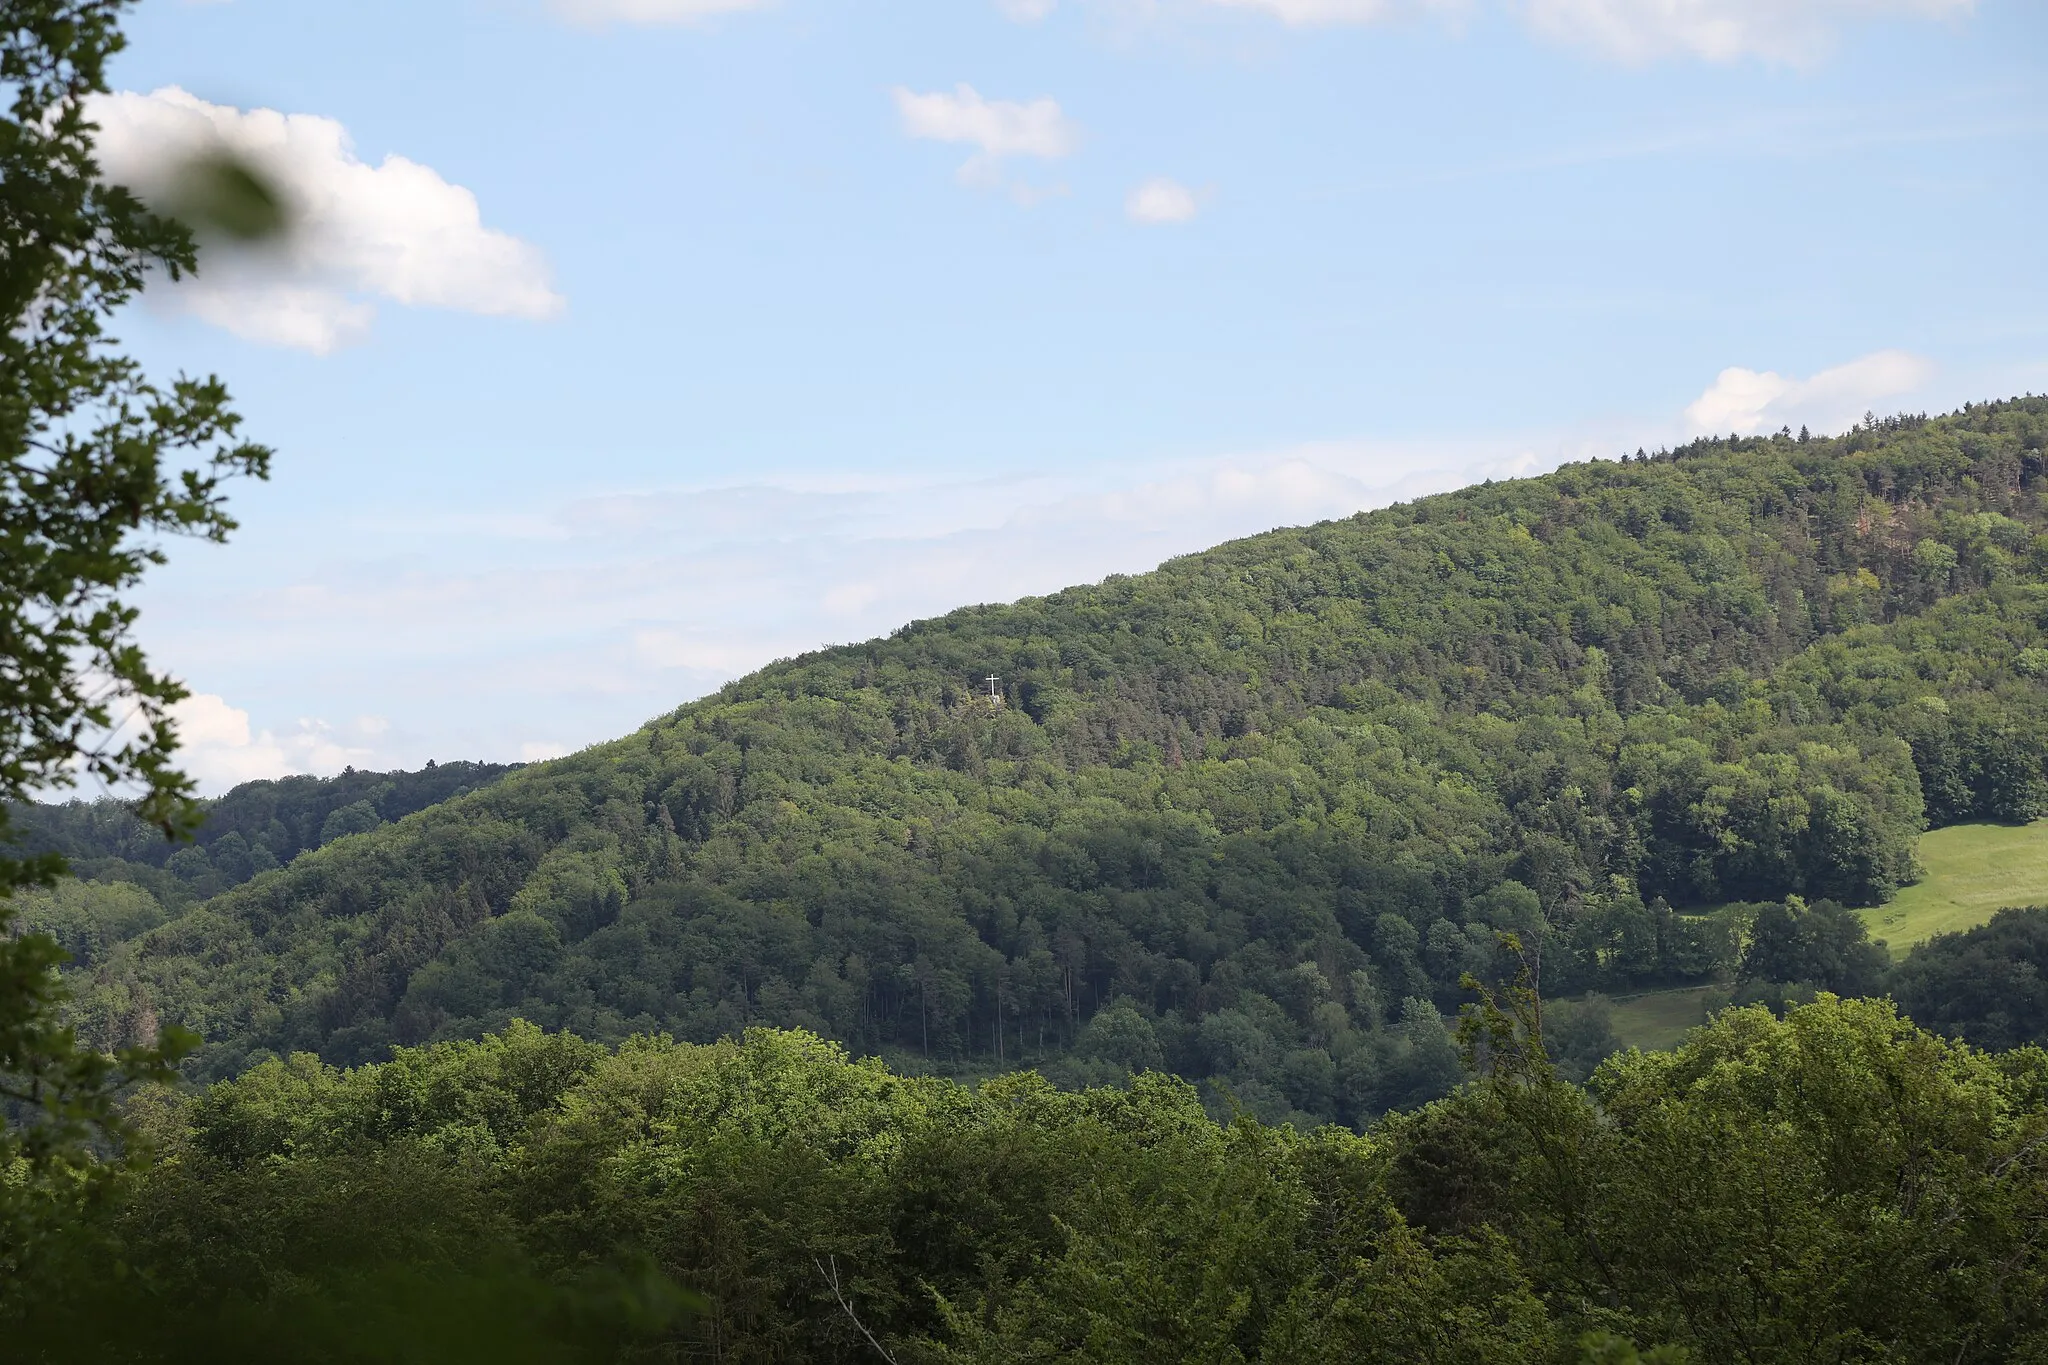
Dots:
{"x": 1823, "y": 946}
{"x": 1773, "y": 1192}
{"x": 394, "y": 1314}
{"x": 1771, "y": 1182}
{"x": 256, "y": 827}
{"x": 1250, "y": 819}
{"x": 824, "y": 1207}
{"x": 1605, "y": 1348}
{"x": 1579, "y": 1035}
{"x": 87, "y": 919}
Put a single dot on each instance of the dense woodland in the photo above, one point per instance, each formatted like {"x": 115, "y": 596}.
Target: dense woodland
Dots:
{"x": 1836, "y": 1186}
{"x": 1249, "y": 818}
{"x": 1988, "y": 986}
{"x": 254, "y": 828}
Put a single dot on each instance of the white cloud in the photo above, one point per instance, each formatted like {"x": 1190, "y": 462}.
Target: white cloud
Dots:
{"x": 695, "y": 651}
{"x": 1640, "y": 30}
{"x": 1161, "y": 200}
{"x": 998, "y": 129}
{"x": 1718, "y": 30}
{"x": 395, "y": 231}
{"x": 1749, "y": 401}
{"x": 850, "y": 599}
{"x": 1026, "y": 11}
{"x": 650, "y": 11}
{"x": 1308, "y": 13}
{"x": 218, "y": 748}
{"x": 541, "y": 750}
{"x": 206, "y": 721}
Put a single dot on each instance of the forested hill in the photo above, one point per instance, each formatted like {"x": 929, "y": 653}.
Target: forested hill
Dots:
{"x": 255, "y": 827}
{"x": 1249, "y": 816}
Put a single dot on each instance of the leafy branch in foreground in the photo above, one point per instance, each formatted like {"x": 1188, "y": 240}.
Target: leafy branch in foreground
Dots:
{"x": 98, "y": 465}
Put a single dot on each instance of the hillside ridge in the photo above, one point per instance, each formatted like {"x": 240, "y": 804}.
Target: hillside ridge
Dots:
{"x": 1251, "y": 815}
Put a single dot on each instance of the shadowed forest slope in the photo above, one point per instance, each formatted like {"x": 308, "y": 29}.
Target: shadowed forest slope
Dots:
{"x": 1247, "y": 817}
{"x": 256, "y": 827}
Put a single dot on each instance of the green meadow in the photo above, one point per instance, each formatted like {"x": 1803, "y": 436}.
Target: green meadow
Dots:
{"x": 1658, "y": 1020}
{"x": 1973, "y": 871}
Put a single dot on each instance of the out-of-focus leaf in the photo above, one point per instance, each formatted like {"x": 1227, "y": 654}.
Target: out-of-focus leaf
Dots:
{"x": 220, "y": 193}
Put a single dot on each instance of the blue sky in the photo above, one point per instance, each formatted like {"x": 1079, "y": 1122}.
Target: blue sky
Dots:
{"x": 686, "y": 334}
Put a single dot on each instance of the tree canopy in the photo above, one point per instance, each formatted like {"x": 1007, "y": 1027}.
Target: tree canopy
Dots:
{"x": 1833, "y": 1186}
{"x": 1988, "y": 985}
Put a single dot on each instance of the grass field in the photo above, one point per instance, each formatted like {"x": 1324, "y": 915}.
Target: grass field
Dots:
{"x": 1661, "y": 1019}
{"x": 1972, "y": 871}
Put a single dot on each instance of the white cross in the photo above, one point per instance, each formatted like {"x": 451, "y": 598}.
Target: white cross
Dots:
{"x": 992, "y": 680}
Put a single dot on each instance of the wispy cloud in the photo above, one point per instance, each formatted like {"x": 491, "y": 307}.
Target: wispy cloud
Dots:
{"x": 1161, "y": 200}
{"x": 1632, "y": 32}
{"x": 1785, "y": 134}
{"x": 1313, "y": 13}
{"x": 600, "y": 12}
{"x": 1791, "y": 31}
{"x": 999, "y": 130}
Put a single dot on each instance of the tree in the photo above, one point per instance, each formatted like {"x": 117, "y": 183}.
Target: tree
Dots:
{"x": 97, "y": 466}
{"x": 1820, "y": 945}
{"x": 1987, "y": 985}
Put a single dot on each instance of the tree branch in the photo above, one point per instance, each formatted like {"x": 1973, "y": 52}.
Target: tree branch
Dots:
{"x": 831, "y": 1279}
